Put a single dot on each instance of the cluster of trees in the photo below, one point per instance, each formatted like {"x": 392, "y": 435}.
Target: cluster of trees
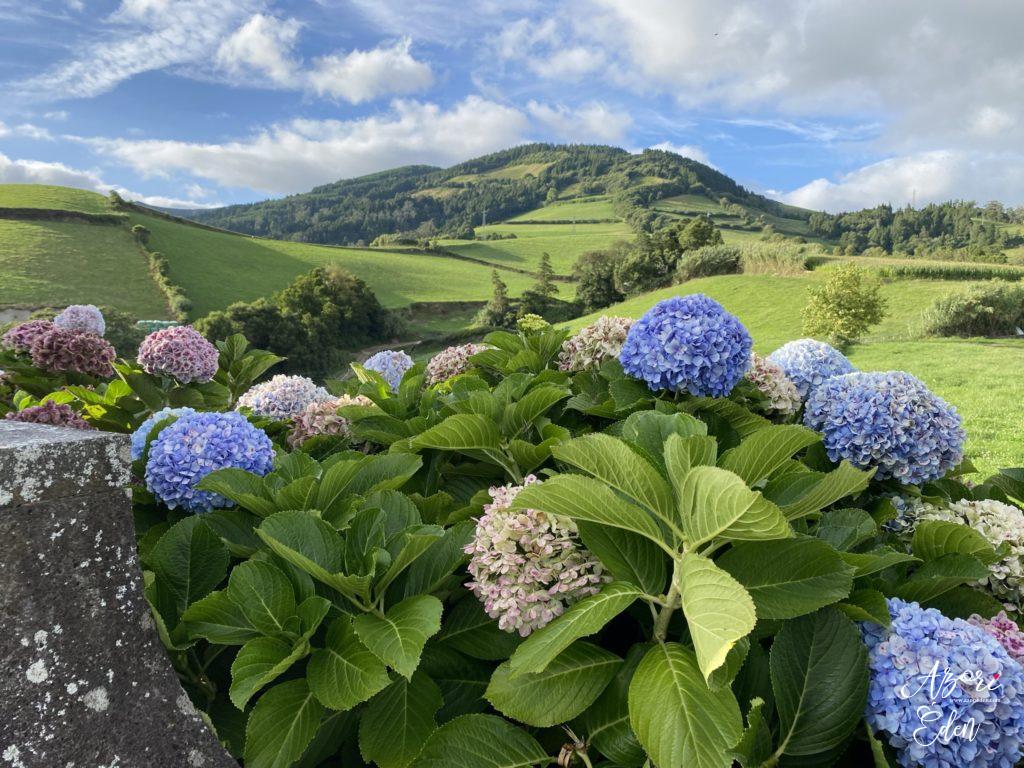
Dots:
{"x": 502, "y": 310}
{"x": 314, "y": 322}
{"x": 650, "y": 262}
{"x": 920, "y": 231}
{"x": 356, "y": 211}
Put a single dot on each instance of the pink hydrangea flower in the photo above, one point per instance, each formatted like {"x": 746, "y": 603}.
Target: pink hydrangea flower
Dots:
{"x": 769, "y": 377}
{"x": 528, "y": 566}
{"x": 59, "y": 350}
{"x": 451, "y": 362}
{"x": 322, "y": 418}
{"x": 54, "y": 414}
{"x": 594, "y": 344}
{"x": 180, "y": 352}
{"x": 21, "y": 337}
{"x": 1005, "y": 630}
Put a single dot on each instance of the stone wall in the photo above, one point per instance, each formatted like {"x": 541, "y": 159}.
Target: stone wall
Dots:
{"x": 84, "y": 680}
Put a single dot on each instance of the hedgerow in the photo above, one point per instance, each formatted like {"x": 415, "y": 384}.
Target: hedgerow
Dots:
{"x": 535, "y": 559}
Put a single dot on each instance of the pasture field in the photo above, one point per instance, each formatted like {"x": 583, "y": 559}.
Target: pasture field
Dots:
{"x": 52, "y": 198}
{"x": 218, "y": 268}
{"x": 581, "y": 209}
{"x": 57, "y": 263}
{"x": 520, "y": 171}
{"x": 979, "y": 376}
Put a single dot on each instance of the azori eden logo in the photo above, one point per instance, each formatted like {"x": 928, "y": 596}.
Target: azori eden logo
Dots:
{"x": 943, "y": 686}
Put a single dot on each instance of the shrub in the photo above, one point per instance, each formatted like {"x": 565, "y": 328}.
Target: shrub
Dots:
{"x": 708, "y": 261}
{"x": 845, "y": 306}
{"x": 773, "y": 259}
{"x": 594, "y": 272}
{"x": 951, "y": 271}
{"x": 996, "y": 309}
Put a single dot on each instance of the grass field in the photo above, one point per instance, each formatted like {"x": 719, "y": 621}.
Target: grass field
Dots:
{"x": 581, "y": 209}
{"x": 59, "y": 263}
{"x": 563, "y": 242}
{"x": 52, "y": 198}
{"x": 216, "y": 268}
{"x": 979, "y": 376}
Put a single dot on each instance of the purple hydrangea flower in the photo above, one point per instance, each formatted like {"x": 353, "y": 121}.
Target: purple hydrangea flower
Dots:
{"x": 889, "y": 420}
{"x": 198, "y": 444}
{"x": 59, "y": 350}
{"x": 451, "y": 362}
{"x": 809, "y": 363}
{"x": 82, "y": 317}
{"x": 594, "y": 344}
{"x": 282, "y": 397}
{"x": 690, "y": 344}
{"x": 391, "y": 364}
{"x": 21, "y": 337}
{"x": 180, "y": 352}
{"x": 1005, "y": 630}
{"x": 54, "y": 414}
{"x": 140, "y": 435}
{"x": 322, "y": 418}
{"x": 528, "y": 566}
{"x": 985, "y": 685}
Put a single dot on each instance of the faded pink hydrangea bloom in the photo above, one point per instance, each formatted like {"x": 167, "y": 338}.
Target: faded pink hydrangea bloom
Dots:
{"x": 54, "y": 414}
{"x": 1005, "y": 630}
{"x": 180, "y": 352}
{"x": 773, "y": 383}
{"x": 528, "y": 566}
{"x": 594, "y": 344}
{"x": 59, "y": 350}
{"x": 21, "y": 337}
{"x": 322, "y": 418}
{"x": 451, "y": 362}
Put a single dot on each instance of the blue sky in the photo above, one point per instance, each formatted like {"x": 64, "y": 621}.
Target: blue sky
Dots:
{"x": 823, "y": 103}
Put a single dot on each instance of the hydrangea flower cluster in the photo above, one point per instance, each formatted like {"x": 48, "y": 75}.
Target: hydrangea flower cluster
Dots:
{"x": 59, "y": 350}
{"x": 82, "y": 317}
{"x": 773, "y": 383}
{"x": 198, "y": 444}
{"x": 889, "y": 420}
{"x": 594, "y": 344}
{"x": 321, "y": 417}
{"x": 21, "y": 337}
{"x": 809, "y": 363}
{"x": 528, "y": 566}
{"x": 391, "y": 364}
{"x": 900, "y": 660}
{"x": 54, "y": 414}
{"x": 180, "y": 352}
{"x": 532, "y": 323}
{"x": 282, "y": 397}
{"x": 140, "y": 435}
{"x": 1005, "y": 630}
{"x": 451, "y": 362}
{"x": 688, "y": 343}
{"x": 998, "y": 523}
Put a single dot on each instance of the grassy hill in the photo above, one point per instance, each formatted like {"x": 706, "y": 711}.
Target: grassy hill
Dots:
{"x": 972, "y": 374}
{"x": 52, "y": 198}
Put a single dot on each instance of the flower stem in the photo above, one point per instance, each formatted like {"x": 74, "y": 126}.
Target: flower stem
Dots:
{"x": 668, "y": 607}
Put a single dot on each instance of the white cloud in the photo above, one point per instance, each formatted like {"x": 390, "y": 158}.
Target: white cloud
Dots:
{"x": 300, "y": 154}
{"x": 685, "y": 150}
{"x": 264, "y": 45}
{"x": 569, "y": 63}
{"x": 591, "y": 122}
{"x": 25, "y": 131}
{"x": 364, "y": 75}
{"x": 59, "y": 174}
{"x": 925, "y": 177}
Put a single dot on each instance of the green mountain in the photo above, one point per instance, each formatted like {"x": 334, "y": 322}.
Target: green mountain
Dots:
{"x": 499, "y": 186}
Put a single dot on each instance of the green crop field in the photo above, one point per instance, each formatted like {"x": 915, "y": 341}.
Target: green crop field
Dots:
{"x": 58, "y": 263}
{"x": 217, "y": 268}
{"x": 581, "y": 209}
{"x": 976, "y": 375}
{"x": 52, "y": 198}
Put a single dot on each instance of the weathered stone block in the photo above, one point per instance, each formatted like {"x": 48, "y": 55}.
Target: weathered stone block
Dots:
{"x": 84, "y": 680}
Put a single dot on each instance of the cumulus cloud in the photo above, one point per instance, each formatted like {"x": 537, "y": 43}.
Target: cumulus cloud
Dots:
{"x": 685, "y": 150}
{"x": 25, "y": 131}
{"x": 594, "y": 121}
{"x": 364, "y": 75}
{"x": 299, "y": 154}
{"x": 926, "y": 177}
{"x": 59, "y": 174}
{"x": 263, "y": 45}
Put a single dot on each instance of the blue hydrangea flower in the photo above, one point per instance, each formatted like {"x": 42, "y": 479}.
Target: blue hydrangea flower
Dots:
{"x": 196, "y": 445}
{"x": 283, "y": 397}
{"x": 688, "y": 343}
{"x": 82, "y": 317}
{"x": 809, "y": 363}
{"x": 889, "y": 420}
{"x": 391, "y": 364}
{"x": 907, "y": 711}
{"x": 140, "y": 435}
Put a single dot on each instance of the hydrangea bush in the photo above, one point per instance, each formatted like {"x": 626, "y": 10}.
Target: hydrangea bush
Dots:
{"x": 283, "y": 397}
{"x": 179, "y": 352}
{"x": 552, "y": 559}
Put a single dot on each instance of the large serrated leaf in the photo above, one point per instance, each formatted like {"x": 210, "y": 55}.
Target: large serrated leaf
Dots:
{"x": 460, "y": 432}
{"x": 398, "y": 636}
{"x": 481, "y": 741}
{"x": 935, "y": 538}
{"x": 398, "y": 721}
{"x": 282, "y": 724}
{"x": 761, "y": 454}
{"x": 344, "y": 673}
{"x": 715, "y": 503}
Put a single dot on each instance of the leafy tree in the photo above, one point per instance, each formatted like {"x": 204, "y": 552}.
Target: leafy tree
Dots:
{"x": 498, "y": 310}
{"x": 845, "y": 307}
{"x": 594, "y": 272}
{"x": 546, "y": 285}
{"x": 698, "y": 233}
